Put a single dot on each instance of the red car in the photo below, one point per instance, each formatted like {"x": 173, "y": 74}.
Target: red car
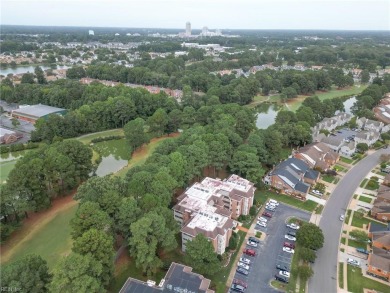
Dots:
{"x": 288, "y": 244}
{"x": 268, "y": 215}
{"x": 240, "y": 282}
{"x": 250, "y": 252}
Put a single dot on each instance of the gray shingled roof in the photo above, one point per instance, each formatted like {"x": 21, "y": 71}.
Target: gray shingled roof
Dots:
{"x": 38, "y": 110}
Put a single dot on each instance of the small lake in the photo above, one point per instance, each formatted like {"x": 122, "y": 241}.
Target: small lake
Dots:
{"x": 115, "y": 155}
{"x": 348, "y": 104}
{"x": 267, "y": 115}
{"x": 27, "y": 68}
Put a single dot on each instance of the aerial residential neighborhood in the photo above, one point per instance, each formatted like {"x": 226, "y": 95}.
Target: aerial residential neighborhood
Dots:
{"x": 195, "y": 146}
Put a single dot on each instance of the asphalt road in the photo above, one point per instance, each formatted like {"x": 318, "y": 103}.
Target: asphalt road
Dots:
{"x": 324, "y": 279}
{"x": 263, "y": 266}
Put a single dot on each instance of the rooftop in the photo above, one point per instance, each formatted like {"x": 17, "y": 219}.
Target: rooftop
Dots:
{"x": 207, "y": 221}
{"x": 4, "y": 131}
{"x": 37, "y": 110}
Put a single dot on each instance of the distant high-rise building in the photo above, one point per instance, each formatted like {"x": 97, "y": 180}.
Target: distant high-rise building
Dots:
{"x": 205, "y": 30}
{"x": 91, "y": 32}
{"x": 188, "y": 28}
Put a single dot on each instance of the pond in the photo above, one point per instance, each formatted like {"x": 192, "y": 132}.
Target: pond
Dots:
{"x": 27, "y": 68}
{"x": 266, "y": 115}
{"x": 115, "y": 155}
{"x": 348, "y": 104}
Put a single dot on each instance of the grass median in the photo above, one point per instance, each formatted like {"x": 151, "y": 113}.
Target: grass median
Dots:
{"x": 263, "y": 195}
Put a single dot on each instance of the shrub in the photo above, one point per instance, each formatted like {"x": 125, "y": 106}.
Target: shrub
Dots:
{"x": 233, "y": 242}
{"x": 253, "y": 211}
{"x": 106, "y": 138}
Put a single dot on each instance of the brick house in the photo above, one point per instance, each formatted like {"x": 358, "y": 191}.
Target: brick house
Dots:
{"x": 292, "y": 177}
{"x": 379, "y": 263}
{"x": 317, "y": 155}
{"x": 386, "y": 180}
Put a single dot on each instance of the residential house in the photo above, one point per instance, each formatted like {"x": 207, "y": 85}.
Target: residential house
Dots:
{"x": 380, "y": 210}
{"x": 384, "y": 193}
{"x": 292, "y": 177}
{"x": 376, "y": 229}
{"x": 368, "y": 137}
{"x": 8, "y": 136}
{"x": 368, "y": 124}
{"x": 386, "y": 180}
{"x": 179, "y": 278}
{"x": 348, "y": 149}
{"x": 211, "y": 206}
{"x": 334, "y": 142}
{"x": 382, "y": 112}
{"x": 379, "y": 263}
{"x": 317, "y": 155}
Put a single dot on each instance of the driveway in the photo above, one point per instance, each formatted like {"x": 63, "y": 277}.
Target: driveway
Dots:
{"x": 263, "y": 269}
{"x": 325, "y": 267}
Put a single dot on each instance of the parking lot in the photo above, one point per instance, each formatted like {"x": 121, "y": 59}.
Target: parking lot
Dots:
{"x": 345, "y": 133}
{"x": 270, "y": 251}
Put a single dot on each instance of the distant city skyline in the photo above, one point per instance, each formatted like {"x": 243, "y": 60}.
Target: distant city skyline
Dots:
{"x": 222, "y": 14}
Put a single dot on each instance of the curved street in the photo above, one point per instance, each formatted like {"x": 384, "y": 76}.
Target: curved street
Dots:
{"x": 325, "y": 276}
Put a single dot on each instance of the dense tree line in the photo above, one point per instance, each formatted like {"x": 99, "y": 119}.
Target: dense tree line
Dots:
{"x": 42, "y": 175}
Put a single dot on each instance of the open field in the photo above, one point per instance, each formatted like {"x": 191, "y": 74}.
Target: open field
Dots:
{"x": 45, "y": 233}
{"x": 5, "y": 168}
{"x": 86, "y": 139}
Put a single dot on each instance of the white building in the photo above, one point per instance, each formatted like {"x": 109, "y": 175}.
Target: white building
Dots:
{"x": 188, "y": 29}
{"x": 91, "y": 33}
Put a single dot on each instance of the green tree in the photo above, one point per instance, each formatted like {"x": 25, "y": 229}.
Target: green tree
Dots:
{"x": 135, "y": 133}
{"x": 201, "y": 256}
{"x": 15, "y": 122}
{"x": 88, "y": 216}
{"x": 40, "y": 75}
{"x": 365, "y": 76}
{"x": 305, "y": 272}
{"x": 100, "y": 246}
{"x": 158, "y": 122}
{"x": 310, "y": 236}
{"x": 362, "y": 147}
{"x": 149, "y": 234}
{"x": 127, "y": 214}
{"x": 233, "y": 242}
{"x": 27, "y": 78}
{"x": 28, "y": 274}
{"x": 360, "y": 236}
{"x": 76, "y": 72}
{"x": 77, "y": 273}
{"x": 307, "y": 254}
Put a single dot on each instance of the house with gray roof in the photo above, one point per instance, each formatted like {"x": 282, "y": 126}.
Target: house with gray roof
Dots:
{"x": 348, "y": 149}
{"x": 369, "y": 125}
{"x": 293, "y": 177}
{"x": 317, "y": 155}
{"x": 334, "y": 142}
{"x": 34, "y": 112}
{"x": 179, "y": 278}
{"x": 368, "y": 137}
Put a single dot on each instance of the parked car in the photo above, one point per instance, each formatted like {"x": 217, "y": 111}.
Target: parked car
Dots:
{"x": 254, "y": 239}
{"x": 289, "y": 237}
{"x": 284, "y": 273}
{"x": 251, "y": 243}
{"x": 288, "y": 244}
{"x": 282, "y": 267}
{"x": 261, "y": 224}
{"x": 292, "y": 233}
{"x": 316, "y": 192}
{"x": 293, "y": 226}
{"x": 242, "y": 271}
{"x": 353, "y": 262}
{"x": 266, "y": 214}
{"x": 362, "y": 250}
{"x": 288, "y": 249}
{"x": 342, "y": 217}
{"x": 274, "y": 202}
{"x": 249, "y": 252}
{"x": 245, "y": 260}
{"x": 281, "y": 278}
{"x": 271, "y": 209}
{"x": 238, "y": 288}
{"x": 242, "y": 265}
{"x": 262, "y": 219}
{"x": 240, "y": 282}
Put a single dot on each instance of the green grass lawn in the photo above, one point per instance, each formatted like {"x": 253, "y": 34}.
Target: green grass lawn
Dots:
{"x": 341, "y": 275}
{"x": 356, "y": 244}
{"x": 358, "y": 222}
{"x": 363, "y": 182}
{"x": 51, "y": 242}
{"x": 319, "y": 209}
{"x": 5, "y": 169}
{"x": 279, "y": 285}
{"x": 328, "y": 178}
{"x": 347, "y": 216}
{"x": 372, "y": 185}
{"x": 357, "y": 282}
{"x": 339, "y": 168}
{"x": 343, "y": 239}
{"x": 262, "y": 196}
{"x": 365, "y": 199}
{"x": 86, "y": 139}
{"x": 346, "y": 160}
{"x": 294, "y": 267}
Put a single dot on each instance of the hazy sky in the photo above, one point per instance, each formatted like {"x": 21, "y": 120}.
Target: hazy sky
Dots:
{"x": 235, "y": 14}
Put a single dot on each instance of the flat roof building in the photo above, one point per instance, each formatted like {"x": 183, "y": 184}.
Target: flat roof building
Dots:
{"x": 34, "y": 112}
{"x": 179, "y": 278}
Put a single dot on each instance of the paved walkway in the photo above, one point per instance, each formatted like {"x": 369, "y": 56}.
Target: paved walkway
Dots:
{"x": 316, "y": 199}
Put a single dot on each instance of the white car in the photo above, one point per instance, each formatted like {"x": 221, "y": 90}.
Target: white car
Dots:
{"x": 291, "y": 238}
{"x": 288, "y": 249}
{"x": 261, "y": 224}
{"x": 353, "y": 262}
{"x": 293, "y": 226}
{"x": 316, "y": 192}
{"x": 251, "y": 243}
{"x": 342, "y": 217}
{"x": 262, "y": 219}
{"x": 274, "y": 202}
{"x": 242, "y": 265}
{"x": 284, "y": 274}
{"x": 245, "y": 260}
